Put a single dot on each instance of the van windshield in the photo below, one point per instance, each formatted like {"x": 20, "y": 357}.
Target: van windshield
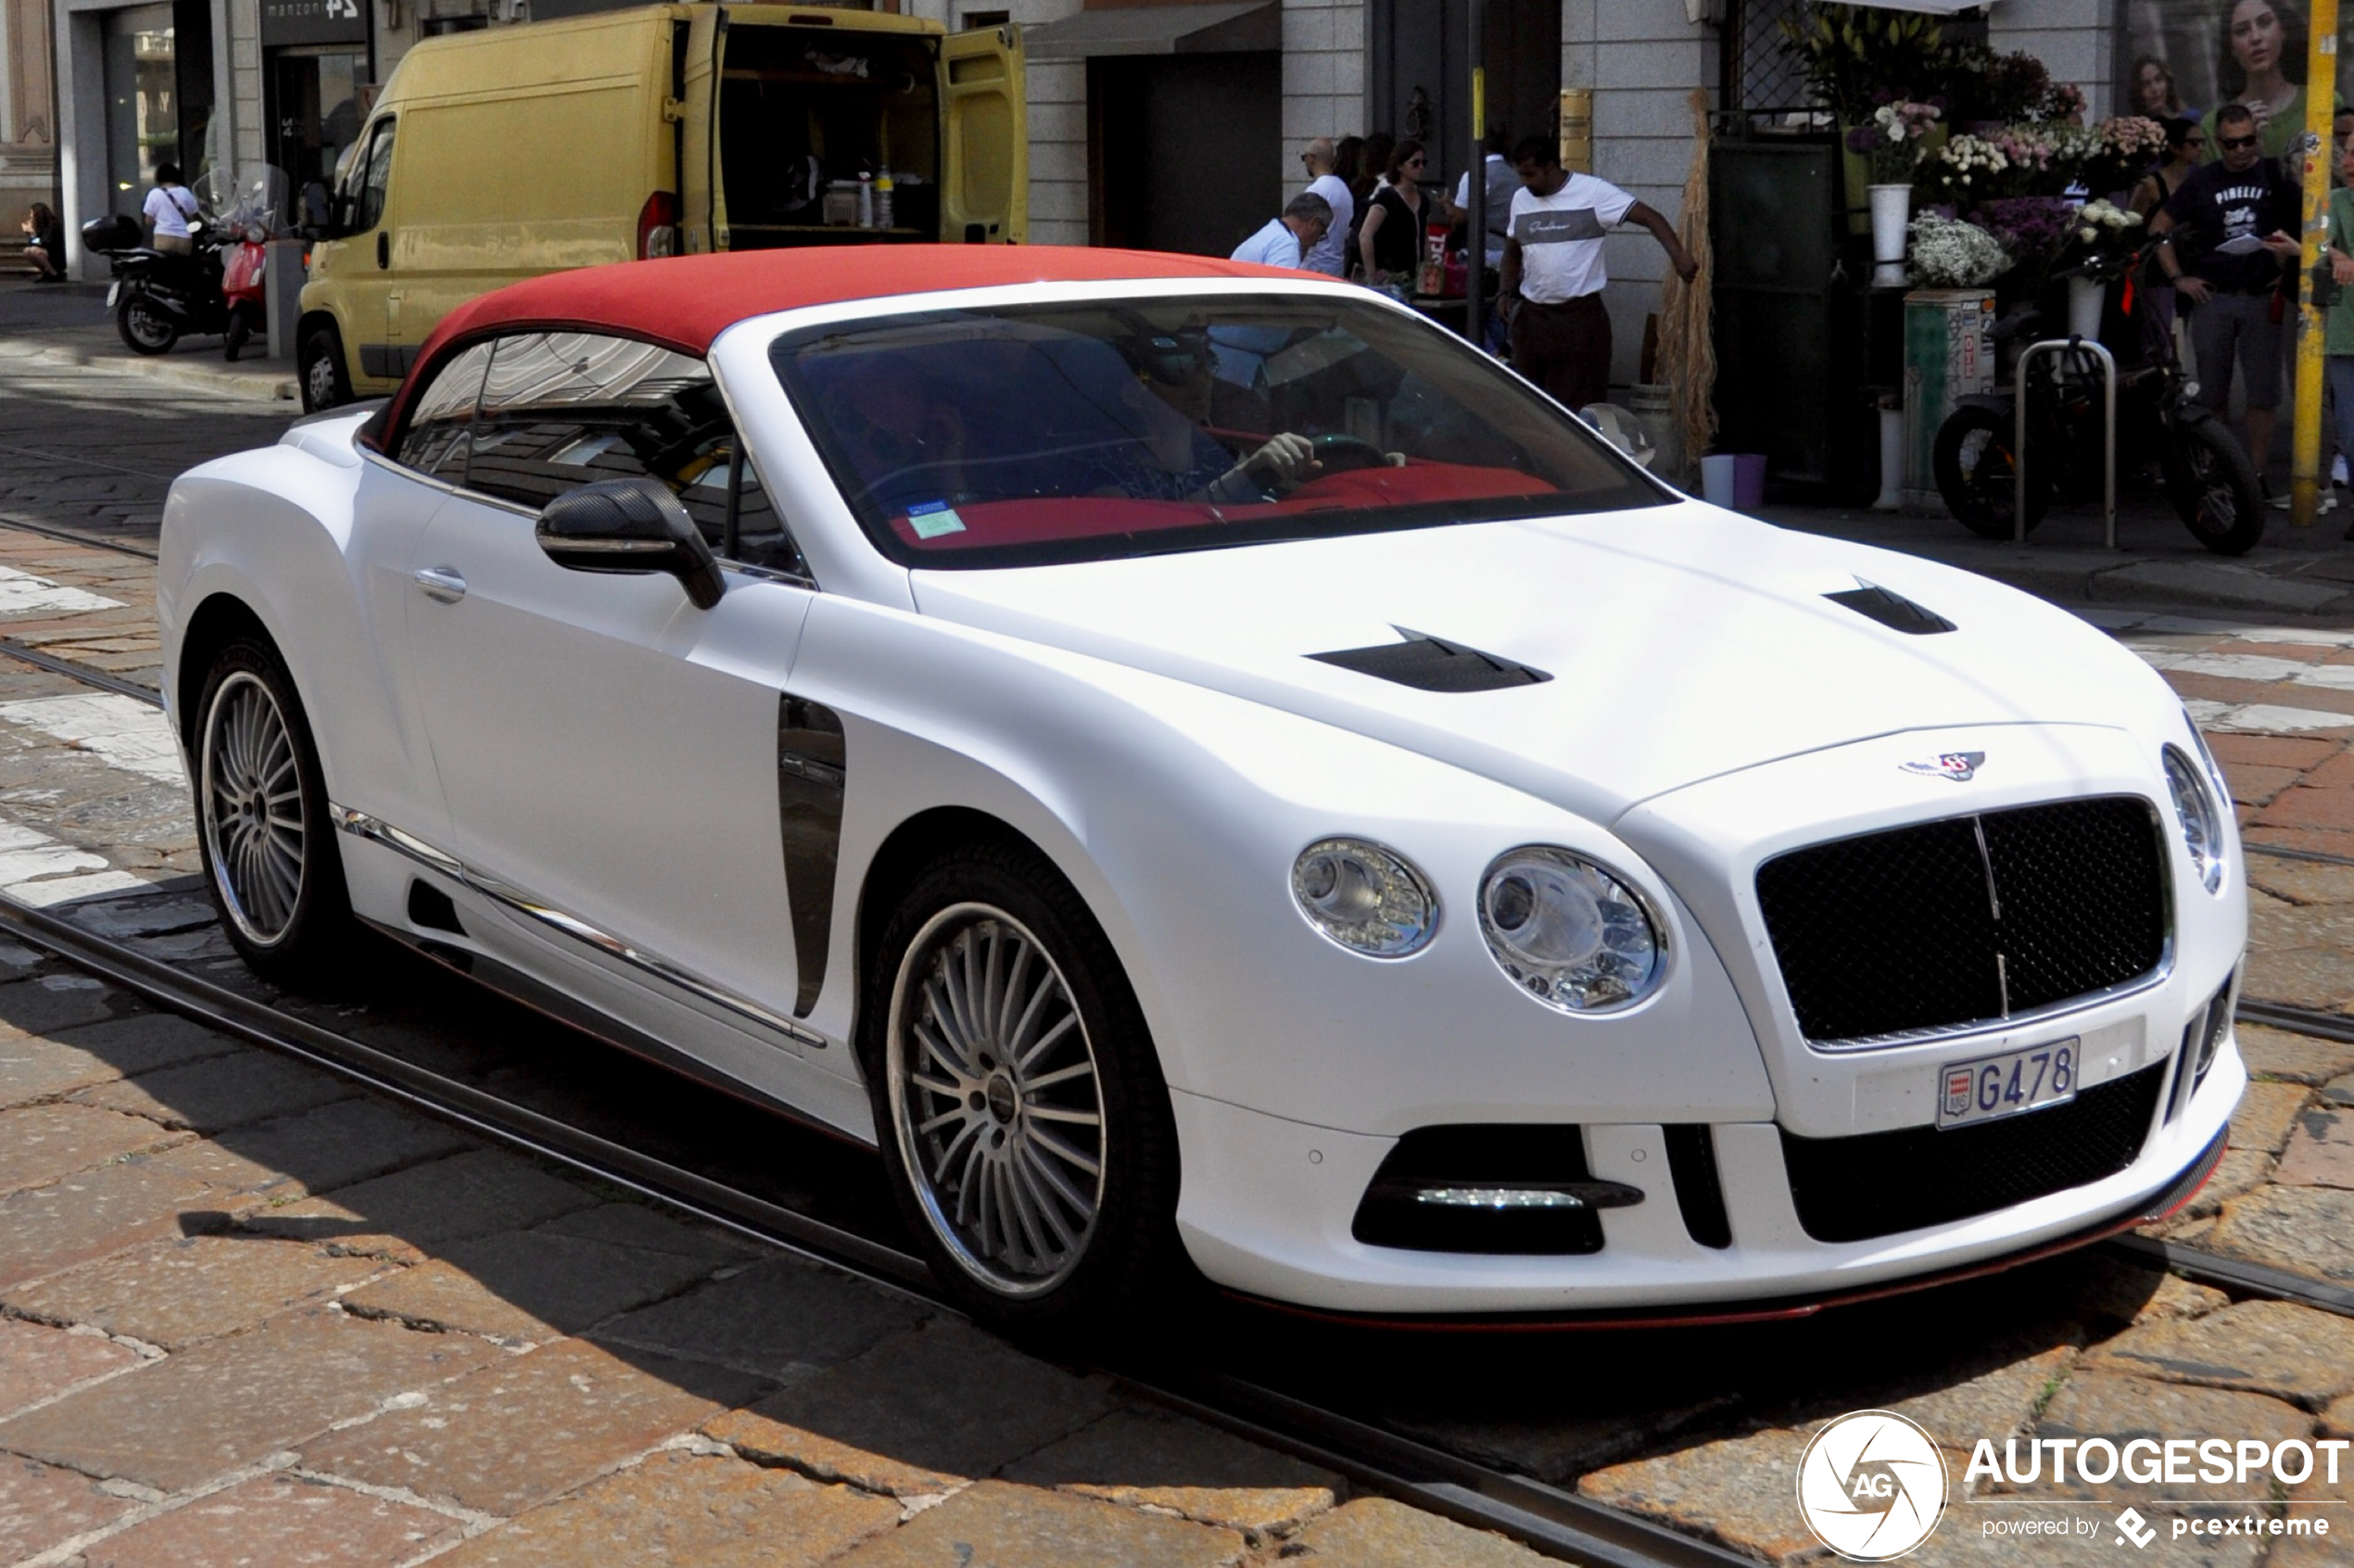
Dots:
{"x": 1026, "y": 435}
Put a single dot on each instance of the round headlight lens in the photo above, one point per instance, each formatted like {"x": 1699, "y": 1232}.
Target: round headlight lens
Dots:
{"x": 2202, "y": 818}
{"x": 1572, "y": 935}
{"x": 1364, "y": 897}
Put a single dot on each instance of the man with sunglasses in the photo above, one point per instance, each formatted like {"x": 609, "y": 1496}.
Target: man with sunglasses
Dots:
{"x": 2226, "y": 232}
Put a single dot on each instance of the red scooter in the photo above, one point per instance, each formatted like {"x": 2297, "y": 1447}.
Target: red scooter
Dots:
{"x": 242, "y": 262}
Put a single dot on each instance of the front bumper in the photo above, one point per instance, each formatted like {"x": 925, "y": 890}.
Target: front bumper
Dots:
{"x": 1269, "y": 1204}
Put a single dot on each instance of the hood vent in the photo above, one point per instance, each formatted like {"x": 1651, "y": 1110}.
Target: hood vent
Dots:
{"x": 1892, "y": 610}
{"x": 1430, "y": 663}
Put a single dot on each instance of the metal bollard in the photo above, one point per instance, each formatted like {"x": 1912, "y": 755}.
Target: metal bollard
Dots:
{"x": 2109, "y": 435}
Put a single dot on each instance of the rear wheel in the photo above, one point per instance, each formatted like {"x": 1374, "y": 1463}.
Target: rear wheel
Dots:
{"x": 320, "y": 364}
{"x": 1977, "y": 473}
{"x": 144, "y": 327}
{"x": 269, "y": 850}
{"x": 2213, "y": 486}
{"x": 1023, "y": 1116}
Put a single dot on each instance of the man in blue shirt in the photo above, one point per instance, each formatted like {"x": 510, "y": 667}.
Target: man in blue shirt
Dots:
{"x": 1285, "y": 241}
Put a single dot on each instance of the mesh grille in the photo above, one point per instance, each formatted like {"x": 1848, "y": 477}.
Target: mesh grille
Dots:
{"x": 1853, "y": 1189}
{"x": 1898, "y": 932}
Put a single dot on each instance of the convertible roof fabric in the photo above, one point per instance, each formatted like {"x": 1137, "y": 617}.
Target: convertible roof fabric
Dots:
{"x": 685, "y": 301}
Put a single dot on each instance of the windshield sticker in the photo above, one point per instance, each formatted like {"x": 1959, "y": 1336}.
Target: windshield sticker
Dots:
{"x": 932, "y": 519}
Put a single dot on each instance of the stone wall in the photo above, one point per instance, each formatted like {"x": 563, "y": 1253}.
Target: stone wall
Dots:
{"x": 28, "y": 114}
{"x": 1642, "y": 58}
{"x": 2075, "y": 39}
{"x": 1323, "y": 77}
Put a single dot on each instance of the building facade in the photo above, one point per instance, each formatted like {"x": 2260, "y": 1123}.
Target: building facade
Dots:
{"x": 1163, "y": 123}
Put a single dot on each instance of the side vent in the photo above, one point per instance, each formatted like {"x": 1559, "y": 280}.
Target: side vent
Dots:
{"x": 1892, "y": 610}
{"x": 430, "y": 907}
{"x": 1699, "y": 1192}
{"x": 1430, "y": 663}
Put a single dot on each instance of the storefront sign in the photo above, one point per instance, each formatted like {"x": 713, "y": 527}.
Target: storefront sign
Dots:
{"x": 313, "y": 21}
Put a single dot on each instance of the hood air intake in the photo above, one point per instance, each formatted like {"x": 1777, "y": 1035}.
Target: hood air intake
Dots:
{"x": 1892, "y": 610}
{"x": 1430, "y": 663}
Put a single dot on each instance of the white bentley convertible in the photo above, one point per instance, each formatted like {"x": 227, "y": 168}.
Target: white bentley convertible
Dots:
{"x": 1204, "y": 769}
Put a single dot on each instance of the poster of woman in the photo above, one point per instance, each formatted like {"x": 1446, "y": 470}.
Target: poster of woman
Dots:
{"x": 2185, "y": 59}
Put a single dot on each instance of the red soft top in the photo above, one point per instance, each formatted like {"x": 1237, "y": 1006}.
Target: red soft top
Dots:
{"x": 683, "y": 302}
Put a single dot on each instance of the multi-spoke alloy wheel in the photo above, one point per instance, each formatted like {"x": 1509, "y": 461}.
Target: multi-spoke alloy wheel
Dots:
{"x": 252, "y": 795}
{"x": 996, "y": 1099}
{"x": 1025, "y": 1124}
{"x": 261, "y": 820}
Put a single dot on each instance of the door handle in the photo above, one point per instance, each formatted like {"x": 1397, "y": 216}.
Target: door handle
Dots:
{"x": 442, "y": 583}
{"x": 384, "y": 250}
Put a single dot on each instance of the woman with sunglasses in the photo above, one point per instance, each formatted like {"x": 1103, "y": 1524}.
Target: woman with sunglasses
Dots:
{"x": 2185, "y": 145}
{"x": 1391, "y": 241}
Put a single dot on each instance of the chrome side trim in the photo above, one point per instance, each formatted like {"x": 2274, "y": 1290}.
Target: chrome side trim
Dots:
{"x": 359, "y": 824}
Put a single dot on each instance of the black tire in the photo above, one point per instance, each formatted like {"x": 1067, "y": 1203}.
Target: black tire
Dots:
{"x": 319, "y": 368}
{"x": 143, "y": 327}
{"x": 1976, "y": 472}
{"x": 275, "y": 876}
{"x": 2213, "y": 487}
{"x": 978, "y": 906}
{"x": 240, "y": 328}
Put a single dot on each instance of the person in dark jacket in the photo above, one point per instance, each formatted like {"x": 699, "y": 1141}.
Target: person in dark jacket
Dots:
{"x": 44, "y": 243}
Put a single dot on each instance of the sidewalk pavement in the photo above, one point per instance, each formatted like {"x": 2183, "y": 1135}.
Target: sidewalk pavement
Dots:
{"x": 68, "y": 323}
{"x": 2295, "y": 574}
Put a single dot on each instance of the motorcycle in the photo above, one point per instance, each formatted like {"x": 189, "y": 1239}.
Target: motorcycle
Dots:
{"x": 2162, "y": 428}
{"x": 217, "y": 287}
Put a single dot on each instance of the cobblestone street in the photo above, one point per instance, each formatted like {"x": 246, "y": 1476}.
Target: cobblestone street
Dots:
{"x": 250, "y": 1313}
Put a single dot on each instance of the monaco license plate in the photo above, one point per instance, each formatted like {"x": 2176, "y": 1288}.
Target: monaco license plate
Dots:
{"x": 2010, "y": 1084}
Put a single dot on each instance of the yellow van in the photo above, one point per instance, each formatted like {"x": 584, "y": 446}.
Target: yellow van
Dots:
{"x": 505, "y": 153}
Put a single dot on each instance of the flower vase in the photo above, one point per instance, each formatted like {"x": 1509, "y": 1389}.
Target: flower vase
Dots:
{"x": 2084, "y": 298}
{"x": 1892, "y": 210}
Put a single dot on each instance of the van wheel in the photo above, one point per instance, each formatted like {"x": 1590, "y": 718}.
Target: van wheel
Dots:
{"x": 324, "y": 386}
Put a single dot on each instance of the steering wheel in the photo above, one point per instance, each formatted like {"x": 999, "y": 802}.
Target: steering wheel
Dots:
{"x": 1343, "y": 454}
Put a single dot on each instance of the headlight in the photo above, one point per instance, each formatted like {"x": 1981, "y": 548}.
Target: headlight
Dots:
{"x": 1574, "y": 936}
{"x": 1364, "y": 897}
{"x": 2202, "y": 820}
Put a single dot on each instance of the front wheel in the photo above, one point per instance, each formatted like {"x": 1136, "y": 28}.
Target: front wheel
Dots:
{"x": 145, "y": 326}
{"x": 319, "y": 364}
{"x": 269, "y": 848}
{"x": 1024, "y": 1120}
{"x": 2213, "y": 486}
{"x": 1976, "y": 473}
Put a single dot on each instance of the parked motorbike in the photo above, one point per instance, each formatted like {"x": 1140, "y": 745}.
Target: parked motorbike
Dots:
{"x": 158, "y": 298}
{"x": 2162, "y": 429}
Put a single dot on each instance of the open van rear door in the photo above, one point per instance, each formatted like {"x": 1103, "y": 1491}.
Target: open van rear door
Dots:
{"x": 984, "y": 186}
{"x": 703, "y": 216}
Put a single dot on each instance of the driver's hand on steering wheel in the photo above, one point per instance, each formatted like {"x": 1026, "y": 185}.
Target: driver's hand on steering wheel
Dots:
{"x": 1288, "y": 459}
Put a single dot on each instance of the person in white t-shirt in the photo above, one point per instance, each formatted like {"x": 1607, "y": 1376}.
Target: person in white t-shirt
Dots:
{"x": 1553, "y": 275}
{"x": 1285, "y": 241}
{"x": 1326, "y": 254}
{"x": 168, "y": 208}
{"x": 1501, "y": 181}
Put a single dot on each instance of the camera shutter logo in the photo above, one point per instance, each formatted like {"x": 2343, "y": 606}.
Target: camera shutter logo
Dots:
{"x": 1871, "y": 1485}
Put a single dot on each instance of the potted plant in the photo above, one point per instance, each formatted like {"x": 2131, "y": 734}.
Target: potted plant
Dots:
{"x": 1892, "y": 140}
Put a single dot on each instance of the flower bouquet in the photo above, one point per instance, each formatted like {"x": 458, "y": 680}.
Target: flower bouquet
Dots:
{"x": 2102, "y": 241}
{"x": 1892, "y": 140}
{"x": 1948, "y": 253}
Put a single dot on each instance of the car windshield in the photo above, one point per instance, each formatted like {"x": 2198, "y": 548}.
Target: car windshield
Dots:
{"x": 1020, "y": 434}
